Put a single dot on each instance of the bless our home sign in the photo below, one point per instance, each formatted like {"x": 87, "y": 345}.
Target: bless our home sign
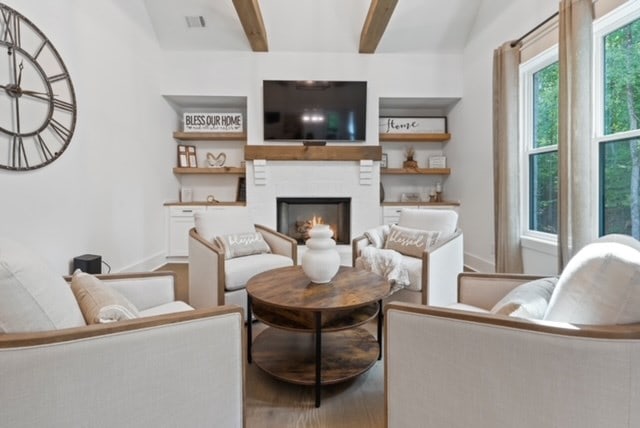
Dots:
{"x": 213, "y": 122}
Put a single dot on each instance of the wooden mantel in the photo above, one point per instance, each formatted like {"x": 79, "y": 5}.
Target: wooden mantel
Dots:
{"x": 311, "y": 153}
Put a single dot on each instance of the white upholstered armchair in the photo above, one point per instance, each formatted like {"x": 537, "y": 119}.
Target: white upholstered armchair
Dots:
{"x": 516, "y": 351}
{"x": 453, "y": 368}
{"x": 433, "y": 274}
{"x": 216, "y": 275}
{"x": 161, "y": 369}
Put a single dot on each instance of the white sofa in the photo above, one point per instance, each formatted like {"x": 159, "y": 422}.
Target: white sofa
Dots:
{"x": 465, "y": 366}
{"x": 166, "y": 370}
{"x": 433, "y": 275}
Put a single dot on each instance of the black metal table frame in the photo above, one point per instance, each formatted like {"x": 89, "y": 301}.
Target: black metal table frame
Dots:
{"x": 318, "y": 346}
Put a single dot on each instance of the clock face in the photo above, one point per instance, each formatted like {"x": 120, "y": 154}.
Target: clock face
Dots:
{"x": 37, "y": 100}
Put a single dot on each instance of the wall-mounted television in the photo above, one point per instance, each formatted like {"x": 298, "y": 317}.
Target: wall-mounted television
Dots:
{"x": 314, "y": 111}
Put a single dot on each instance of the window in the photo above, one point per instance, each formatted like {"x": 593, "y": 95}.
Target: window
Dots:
{"x": 617, "y": 117}
{"x": 616, "y": 130}
{"x": 539, "y": 110}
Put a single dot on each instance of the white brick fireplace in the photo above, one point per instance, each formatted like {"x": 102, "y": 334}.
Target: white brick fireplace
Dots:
{"x": 358, "y": 180}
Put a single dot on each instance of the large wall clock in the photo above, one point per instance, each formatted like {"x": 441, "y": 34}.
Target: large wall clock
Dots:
{"x": 37, "y": 100}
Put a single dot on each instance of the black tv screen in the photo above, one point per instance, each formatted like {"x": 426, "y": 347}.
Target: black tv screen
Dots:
{"x": 314, "y": 110}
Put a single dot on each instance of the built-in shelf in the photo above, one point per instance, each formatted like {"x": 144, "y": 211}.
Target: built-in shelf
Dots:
{"x": 328, "y": 153}
{"x": 210, "y": 136}
{"x": 415, "y": 171}
{"x": 221, "y": 170}
{"x": 204, "y": 203}
{"x": 415, "y": 138}
{"x": 420, "y": 204}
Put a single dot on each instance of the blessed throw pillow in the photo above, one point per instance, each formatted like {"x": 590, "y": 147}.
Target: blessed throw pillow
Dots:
{"x": 100, "y": 303}
{"x": 378, "y": 235}
{"x": 410, "y": 242}
{"x": 599, "y": 285}
{"x": 243, "y": 244}
{"x": 528, "y": 300}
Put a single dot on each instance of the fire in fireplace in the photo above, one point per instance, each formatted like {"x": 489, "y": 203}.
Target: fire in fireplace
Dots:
{"x": 296, "y": 216}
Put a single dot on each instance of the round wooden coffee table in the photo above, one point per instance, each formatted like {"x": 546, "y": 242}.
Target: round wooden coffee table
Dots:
{"x": 315, "y": 338}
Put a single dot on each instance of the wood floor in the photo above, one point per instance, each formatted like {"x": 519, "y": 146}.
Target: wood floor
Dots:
{"x": 272, "y": 403}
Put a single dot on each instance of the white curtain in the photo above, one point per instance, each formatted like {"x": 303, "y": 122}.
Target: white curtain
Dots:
{"x": 575, "y": 213}
{"x": 506, "y": 159}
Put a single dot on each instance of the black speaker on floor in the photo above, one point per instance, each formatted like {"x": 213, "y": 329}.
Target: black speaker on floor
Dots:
{"x": 89, "y": 263}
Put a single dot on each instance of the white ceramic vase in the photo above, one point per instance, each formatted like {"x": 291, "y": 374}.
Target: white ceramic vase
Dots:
{"x": 321, "y": 261}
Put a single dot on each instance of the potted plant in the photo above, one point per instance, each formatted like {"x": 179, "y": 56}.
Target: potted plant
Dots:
{"x": 410, "y": 162}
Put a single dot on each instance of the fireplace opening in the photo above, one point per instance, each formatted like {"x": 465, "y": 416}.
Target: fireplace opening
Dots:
{"x": 296, "y": 216}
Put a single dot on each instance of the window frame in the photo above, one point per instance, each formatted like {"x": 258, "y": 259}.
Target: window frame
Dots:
{"x": 603, "y": 26}
{"x": 526, "y": 124}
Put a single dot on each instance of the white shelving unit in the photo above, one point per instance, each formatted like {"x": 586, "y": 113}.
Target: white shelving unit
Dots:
{"x": 205, "y": 182}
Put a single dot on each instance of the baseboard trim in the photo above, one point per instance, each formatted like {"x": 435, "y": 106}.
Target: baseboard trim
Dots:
{"x": 478, "y": 264}
{"x": 147, "y": 265}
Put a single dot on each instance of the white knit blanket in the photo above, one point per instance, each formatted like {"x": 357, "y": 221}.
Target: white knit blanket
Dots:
{"x": 386, "y": 263}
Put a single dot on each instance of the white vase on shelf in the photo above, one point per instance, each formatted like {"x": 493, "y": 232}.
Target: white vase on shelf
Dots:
{"x": 321, "y": 261}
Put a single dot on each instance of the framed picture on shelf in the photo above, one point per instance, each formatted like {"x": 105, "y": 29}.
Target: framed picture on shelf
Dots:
{"x": 384, "y": 162}
{"x": 193, "y": 160}
{"x": 183, "y": 159}
{"x": 412, "y": 125}
{"x": 437, "y": 162}
{"x": 241, "y": 194}
{"x": 410, "y": 197}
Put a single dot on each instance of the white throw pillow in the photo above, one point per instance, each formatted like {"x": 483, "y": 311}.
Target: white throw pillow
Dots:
{"x": 100, "y": 304}
{"x": 410, "y": 242}
{"x": 210, "y": 224}
{"x": 378, "y": 235}
{"x": 528, "y": 300}
{"x": 599, "y": 285}
{"x": 32, "y": 296}
{"x": 444, "y": 221}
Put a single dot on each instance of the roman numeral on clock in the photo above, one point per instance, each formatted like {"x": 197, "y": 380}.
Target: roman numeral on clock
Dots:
{"x": 44, "y": 149}
{"x": 18, "y": 153}
{"x": 11, "y": 33}
{"x": 62, "y": 105}
{"x": 61, "y": 130}
{"x": 57, "y": 77}
{"x": 38, "y": 51}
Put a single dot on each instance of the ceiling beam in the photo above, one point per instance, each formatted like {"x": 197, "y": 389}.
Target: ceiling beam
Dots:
{"x": 251, "y": 19}
{"x": 378, "y": 17}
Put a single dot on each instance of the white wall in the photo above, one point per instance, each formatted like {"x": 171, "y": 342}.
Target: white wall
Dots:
{"x": 241, "y": 74}
{"x": 471, "y": 145}
{"x": 104, "y": 195}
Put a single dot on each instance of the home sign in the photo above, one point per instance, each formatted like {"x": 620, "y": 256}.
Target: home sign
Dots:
{"x": 213, "y": 122}
{"x": 412, "y": 125}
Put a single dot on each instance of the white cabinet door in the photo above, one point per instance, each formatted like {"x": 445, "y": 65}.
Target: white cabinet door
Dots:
{"x": 180, "y": 222}
{"x": 391, "y": 215}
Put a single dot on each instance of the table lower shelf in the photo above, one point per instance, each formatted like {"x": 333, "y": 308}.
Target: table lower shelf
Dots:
{"x": 298, "y": 320}
{"x": 290, "y": 356}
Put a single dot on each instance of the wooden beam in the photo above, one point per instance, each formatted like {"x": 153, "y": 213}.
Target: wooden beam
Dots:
{"x": 378, "y": 17}
{"x": 251, "y": 19}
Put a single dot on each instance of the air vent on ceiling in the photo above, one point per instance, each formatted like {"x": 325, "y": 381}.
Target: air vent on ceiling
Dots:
{"x": 195, "y": 21}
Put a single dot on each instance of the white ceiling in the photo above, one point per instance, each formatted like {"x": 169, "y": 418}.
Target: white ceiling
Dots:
{"x": 315, "y": 25}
